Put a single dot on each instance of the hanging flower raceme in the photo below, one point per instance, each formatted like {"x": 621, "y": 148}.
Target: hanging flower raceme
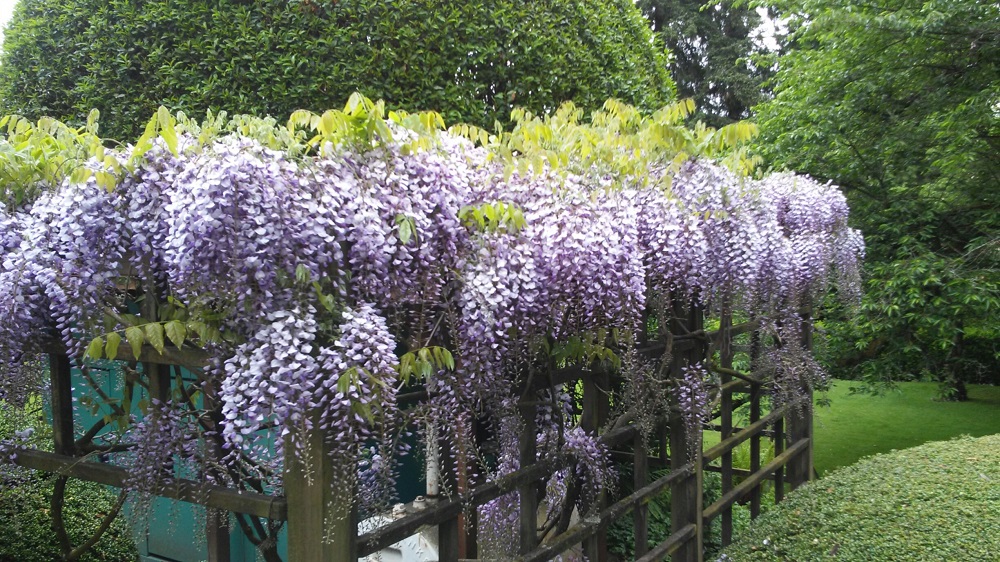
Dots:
{"x": 322, "y": 278}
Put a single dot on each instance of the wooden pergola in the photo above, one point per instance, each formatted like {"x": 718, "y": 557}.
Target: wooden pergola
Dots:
{"x": 311, "y": 514}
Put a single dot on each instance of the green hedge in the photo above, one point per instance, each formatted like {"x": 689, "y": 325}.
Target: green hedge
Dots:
{"x": 939, "y": 501}
{"x": 26, "y": 531}
{"x": 471, "y": 61}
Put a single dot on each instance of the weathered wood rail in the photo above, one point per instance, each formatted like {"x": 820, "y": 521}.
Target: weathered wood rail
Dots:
{"x": 310, "y": 511}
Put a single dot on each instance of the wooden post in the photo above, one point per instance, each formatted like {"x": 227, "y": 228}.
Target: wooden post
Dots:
{"x": 468, "y": 521}
{"x": 685, "y": 493}
{"x": 321, "y": 525}
{"x": 755, "y": 449}
{"x": 779, "y": 447}
{"x": 63, "y": 433}
{"x": 800, "y": 421}
{"x": 448, "y": 541}
{"x": 686, "y": 502}
{"x": 755, "y": 345}
{"x": 595, "y": 414}
{"x": 216, "y": 520}
{"x": 726, "y": 360}
{"x": 217, "y": 535}
{"x": 640, "y": 516}
{"x": 526, "y": 491}
{"x": 442, "y": 455}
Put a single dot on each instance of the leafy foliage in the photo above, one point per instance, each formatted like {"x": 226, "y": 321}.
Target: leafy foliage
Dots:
{"x": 27, "y": 536}
{"x": 896, "y": 101}
{"x": 25, "y": 497}
{"x": 938, "y": 501}
{"x": 471, "y": 61}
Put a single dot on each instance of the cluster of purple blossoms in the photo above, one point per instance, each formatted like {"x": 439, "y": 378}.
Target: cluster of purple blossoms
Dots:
{"x": 319, "y": 271}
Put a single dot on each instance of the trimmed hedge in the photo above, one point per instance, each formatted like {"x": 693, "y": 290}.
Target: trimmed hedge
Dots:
{"x": 471, "y": 61}
{"x": 26, "y": 531}
{"x": 939, "y": 501}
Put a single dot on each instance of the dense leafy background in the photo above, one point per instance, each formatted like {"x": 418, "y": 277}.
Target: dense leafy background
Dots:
{"x": 472, "y": 61}
{"x": 896, "y": 101}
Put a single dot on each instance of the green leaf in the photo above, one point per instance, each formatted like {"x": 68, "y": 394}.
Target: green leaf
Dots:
{"x": 154, "y": 333}
{"x": 111, "y": 350}
{"x": 346, "y": 379}
{"x": 95, "y": 348}
{"x": 176, "y": 332}
{"x": 135, "y": 338}
{"x": 405, "y": 225}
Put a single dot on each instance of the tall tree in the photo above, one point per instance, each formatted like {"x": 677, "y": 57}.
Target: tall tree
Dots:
{"x": 897, "y": 101}
{"x": 714, "y": 47}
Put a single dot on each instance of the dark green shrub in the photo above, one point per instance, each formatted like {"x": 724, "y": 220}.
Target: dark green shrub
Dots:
{"x": 939, "y": 501}
{"x": 471, "y": 61}
{"x": 26, "y": 533}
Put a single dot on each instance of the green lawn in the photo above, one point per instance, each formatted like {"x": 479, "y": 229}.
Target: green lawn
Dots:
{"x": 859, "y": 425}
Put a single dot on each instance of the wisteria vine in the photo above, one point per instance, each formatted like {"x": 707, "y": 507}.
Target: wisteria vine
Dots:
{"x": 323, "y": 281}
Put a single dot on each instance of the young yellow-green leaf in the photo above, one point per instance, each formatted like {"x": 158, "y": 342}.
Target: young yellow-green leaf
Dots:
{"x": 95, "y": 348}
{"x": 300, "y": 118}
{"x": 167, "y": 131}
{"x": 327, "y": 123}
{"x": 79, "y": 175}
{"x": 354, "y": 104}
{"x": 111, "y": 349}
{"x": 176, "y": 332}
{"x": 447, "y": 360}
{"x": 92, "y": 119}
{"x": 154, "y": 333}
{"x": 135, "y": 339}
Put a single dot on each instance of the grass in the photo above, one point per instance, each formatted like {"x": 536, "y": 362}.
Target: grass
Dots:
{"x": 857, "y": 426}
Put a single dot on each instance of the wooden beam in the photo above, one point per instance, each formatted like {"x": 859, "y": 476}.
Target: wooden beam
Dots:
{"x": 383, "y": 537}
{"x": 380, "y": 538}
{"x": 190, "y": 358}
{"x": 740, "y": 472}
{"x": 749, "y": 431}
{"x": 227, "y": 499}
